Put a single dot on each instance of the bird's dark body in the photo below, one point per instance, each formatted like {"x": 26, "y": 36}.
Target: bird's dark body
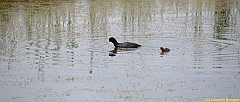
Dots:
{"x": 124, "y": 44}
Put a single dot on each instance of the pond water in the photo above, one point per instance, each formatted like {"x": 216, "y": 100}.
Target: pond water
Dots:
{"x": 59, "y": 50}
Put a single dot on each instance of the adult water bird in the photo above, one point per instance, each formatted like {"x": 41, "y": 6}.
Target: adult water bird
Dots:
{"x": 124, "y": 44}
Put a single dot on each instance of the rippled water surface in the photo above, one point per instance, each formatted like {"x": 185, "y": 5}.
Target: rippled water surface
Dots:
{"x": 59, "y": 50}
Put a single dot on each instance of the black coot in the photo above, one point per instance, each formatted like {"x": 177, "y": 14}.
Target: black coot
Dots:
{"x": 124, "y": 44}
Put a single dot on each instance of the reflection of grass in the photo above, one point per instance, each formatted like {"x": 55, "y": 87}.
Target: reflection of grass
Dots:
{"x": 222, "y": 21}
{"x": 5, "y": 6}
{"x": 70, "y": 79}
{"x": 14, "y": 0}
{"x": 220, "y": 37}
{"x": 72, "y": 45}
{"x": 36, "y": 4}
{"x": 67, "y": 79}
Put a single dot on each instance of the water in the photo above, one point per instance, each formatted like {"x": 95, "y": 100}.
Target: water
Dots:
{"x": 59, "y": 50}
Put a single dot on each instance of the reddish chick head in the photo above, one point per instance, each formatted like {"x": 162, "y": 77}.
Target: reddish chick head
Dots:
{"x": 161, "y": 48}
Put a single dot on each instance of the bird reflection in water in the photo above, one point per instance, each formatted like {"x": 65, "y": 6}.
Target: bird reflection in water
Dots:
{"x": 118, "y": 49}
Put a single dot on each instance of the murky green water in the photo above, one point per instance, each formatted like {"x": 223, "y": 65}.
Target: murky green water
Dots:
{"x": 59, "y": 50}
